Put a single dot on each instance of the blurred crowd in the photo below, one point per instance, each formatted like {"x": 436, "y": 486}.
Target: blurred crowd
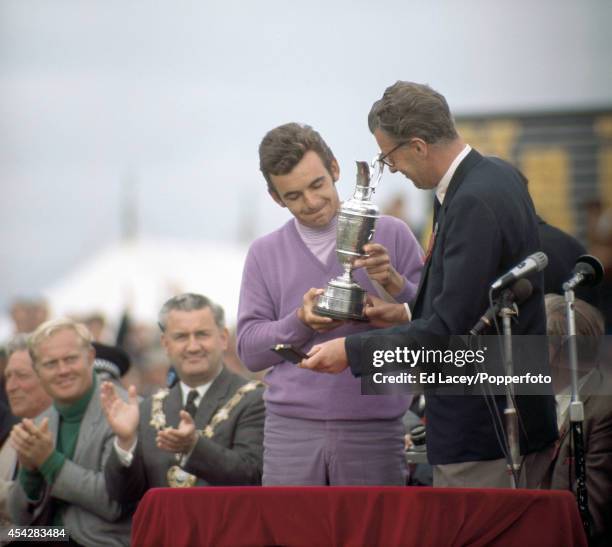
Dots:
{"x": 149, "y": 365}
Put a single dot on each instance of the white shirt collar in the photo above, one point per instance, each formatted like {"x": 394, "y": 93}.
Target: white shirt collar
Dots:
{"x": 185, "y": 389}
{"x": 445, "y": 180}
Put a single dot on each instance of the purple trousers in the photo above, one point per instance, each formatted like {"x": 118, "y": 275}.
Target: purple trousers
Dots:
{"x": 300, "y": 452}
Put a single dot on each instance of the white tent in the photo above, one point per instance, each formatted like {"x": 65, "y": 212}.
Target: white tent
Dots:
{"x": 142, "y": 275}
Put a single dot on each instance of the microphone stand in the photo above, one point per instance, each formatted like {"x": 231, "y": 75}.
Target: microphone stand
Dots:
{"x": 576, "y": 414}
{"x": 506, "y": 312}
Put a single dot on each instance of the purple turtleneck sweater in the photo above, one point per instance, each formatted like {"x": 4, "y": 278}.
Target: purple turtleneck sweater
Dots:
{"x": 278, "y": 271}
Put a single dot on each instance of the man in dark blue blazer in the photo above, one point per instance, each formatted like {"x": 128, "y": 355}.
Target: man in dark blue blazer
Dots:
{"x": 485, "y": 224}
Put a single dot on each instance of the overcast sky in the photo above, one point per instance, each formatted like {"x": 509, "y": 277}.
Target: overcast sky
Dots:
{"x": 175, "y": 97}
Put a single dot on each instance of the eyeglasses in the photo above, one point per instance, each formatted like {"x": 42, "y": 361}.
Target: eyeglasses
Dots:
{"x": 382, "y": 158}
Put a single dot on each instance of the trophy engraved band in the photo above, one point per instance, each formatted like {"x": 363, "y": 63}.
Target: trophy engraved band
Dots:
{"x": 343, "y": 297}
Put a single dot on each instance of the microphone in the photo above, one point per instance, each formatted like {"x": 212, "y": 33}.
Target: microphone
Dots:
{"x": 587, "y": 271}
{"x": 533, "y": 263}
{"x": 519, "y": 292}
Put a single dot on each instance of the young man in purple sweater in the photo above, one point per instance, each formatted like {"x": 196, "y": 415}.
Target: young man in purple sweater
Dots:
{"x": 319, "y": 429}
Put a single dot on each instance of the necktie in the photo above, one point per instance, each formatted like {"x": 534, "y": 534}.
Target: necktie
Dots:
{"x": 436, "y": 209}
{"x": 190, "y": 406}
{"x": 434, "y": 232}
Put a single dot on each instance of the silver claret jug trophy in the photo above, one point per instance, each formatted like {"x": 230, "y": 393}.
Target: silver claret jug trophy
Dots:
{"x": 343, "y": 297}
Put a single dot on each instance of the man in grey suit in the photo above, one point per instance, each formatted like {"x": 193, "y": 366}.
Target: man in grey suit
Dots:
{"x": 62, "y": 454}
{"x": 207, "y": 429}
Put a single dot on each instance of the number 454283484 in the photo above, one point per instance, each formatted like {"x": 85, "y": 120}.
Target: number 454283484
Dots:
{"x": 34, "y": 533}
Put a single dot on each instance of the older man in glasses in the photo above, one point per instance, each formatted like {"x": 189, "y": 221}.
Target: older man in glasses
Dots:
{"x": 484, "y": 224}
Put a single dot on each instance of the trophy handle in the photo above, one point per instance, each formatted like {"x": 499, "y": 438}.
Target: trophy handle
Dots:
{"x": 367, "y": 184}
{"x": 377, "y": 168}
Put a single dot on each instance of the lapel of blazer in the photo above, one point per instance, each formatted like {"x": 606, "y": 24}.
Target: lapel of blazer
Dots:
{"x": 213, "y": 398}
{"x": 13, "y": 467}
{"x": 90, "y": 425}
{"x": 173, "y": 405}
{"x": 8, "y": 461}
{"x": 41, "y": 512}
{"x": 53, "y": 416}
{"x": 460, "y": 173}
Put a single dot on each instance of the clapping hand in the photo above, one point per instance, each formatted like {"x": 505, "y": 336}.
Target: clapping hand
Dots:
{"x": 122, "y": 416}
{"x": 33, "y": 444}
{"x": 181, "y": 439}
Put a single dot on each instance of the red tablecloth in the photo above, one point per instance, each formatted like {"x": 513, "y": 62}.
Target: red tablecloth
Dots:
{"x": 356, "y": 516}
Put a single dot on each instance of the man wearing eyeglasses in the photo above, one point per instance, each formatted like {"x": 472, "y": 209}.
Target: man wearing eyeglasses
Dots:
{"x": 484, "y": 224}
{"x": 319, "y": 429}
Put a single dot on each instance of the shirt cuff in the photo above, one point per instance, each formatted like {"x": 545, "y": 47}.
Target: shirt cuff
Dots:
{"x": 125, "y": 456}
{"x": 408, "y": 312}
{"x": 52, "y": 466}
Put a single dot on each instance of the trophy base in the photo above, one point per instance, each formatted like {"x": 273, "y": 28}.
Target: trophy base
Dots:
{"x": 342, "y": 302}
